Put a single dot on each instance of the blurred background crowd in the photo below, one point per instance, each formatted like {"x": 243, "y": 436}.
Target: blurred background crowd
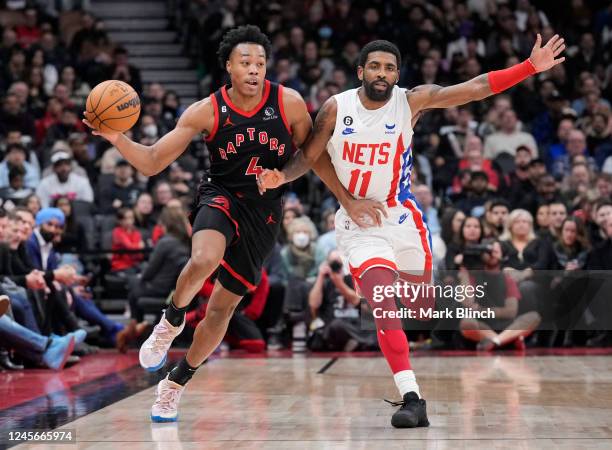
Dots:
{"x": 517, "y": 185}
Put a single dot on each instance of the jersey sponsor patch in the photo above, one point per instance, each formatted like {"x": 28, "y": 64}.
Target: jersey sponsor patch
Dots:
{"x": 348, "y": 120}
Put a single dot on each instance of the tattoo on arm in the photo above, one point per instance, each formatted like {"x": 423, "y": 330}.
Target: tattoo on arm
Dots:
{"x": 305, "y": 157}
{"x": 296, "y": 166}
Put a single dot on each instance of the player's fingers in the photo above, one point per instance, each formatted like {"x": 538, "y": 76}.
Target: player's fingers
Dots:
{"x": 381, "y": 208}
{"x": 376, "y": 216}
{"x": 86, "y": 122}
{"x": 559, "y": 50}
{"x": 538, "y": 41}
{"x": 552, "y": 41}
{"x": 559, "y": 61}
{"x": 359, "y": 221}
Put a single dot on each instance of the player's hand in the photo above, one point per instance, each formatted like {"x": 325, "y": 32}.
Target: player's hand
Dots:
{"x": 543, "y": 58}
{"x": 366, "y": 213}
{"x": 110, "y": 137}
{"x": 270, "y": 179}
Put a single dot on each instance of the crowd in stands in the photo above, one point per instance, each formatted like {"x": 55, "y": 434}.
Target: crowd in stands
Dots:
{"x": 516, "y": 189}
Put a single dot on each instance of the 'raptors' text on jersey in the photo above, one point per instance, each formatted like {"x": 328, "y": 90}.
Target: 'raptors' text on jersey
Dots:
{"x": 370, "y": 149}
{"x": 242, "y": 144}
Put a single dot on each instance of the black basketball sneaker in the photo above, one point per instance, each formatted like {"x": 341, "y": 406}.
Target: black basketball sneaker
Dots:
{"x": 412, "y": 412}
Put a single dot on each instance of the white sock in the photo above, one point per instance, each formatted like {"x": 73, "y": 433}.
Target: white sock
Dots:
{"x": 406, "y": 382}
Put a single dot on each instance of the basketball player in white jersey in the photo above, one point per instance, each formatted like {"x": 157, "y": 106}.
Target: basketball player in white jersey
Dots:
{"x": 367, "y": 133}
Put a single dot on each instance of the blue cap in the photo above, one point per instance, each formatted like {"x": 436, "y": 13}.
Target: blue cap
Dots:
{"x": 47, "y": 214}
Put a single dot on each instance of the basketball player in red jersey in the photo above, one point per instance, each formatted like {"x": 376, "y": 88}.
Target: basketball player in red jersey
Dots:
{"x": 367, "y": 134}
{"x": 249, "y": 125}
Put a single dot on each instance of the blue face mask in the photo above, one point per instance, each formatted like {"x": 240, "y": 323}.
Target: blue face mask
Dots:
{"x": 325, "y": 32}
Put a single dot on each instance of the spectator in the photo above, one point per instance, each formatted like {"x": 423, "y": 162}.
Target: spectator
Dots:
{"x": 327, "y": 241}
{"x": 335, "y": 311}
{"x": 124, "y": 71}
{"x": 126, "y": 237}
{"x": 507, "y": 326}
{"x": 289, "y": 215}
{"x": 508, "y": 139}
{"x": 16, "y": 156}
{"x": 143, "y": 214}
{"x": 572, "y": 246}
{"x": 474, "y": 161}
{"x": 74, "y": 239}
{"x": 519, "y": 183}
{"x": 559, "y": 148}
{"x": 425, "y": 199}
{"x": 63, "y": 182}
{"x": 50, "y": 352}
{"x": 299, "y": 255}
{"x": 16, "y": 192}
{"x": 470, "y": 234}
{"x": 477, "y": 195}
{"x": 496, "y": 213}
{"x": 162, "y": 194}
{"x": 13, "y": 118}
{"x": 123, "y": 191}
{"x": 558, "y": 213}
{"x": 165, "y": 263}
{"x": 576, "y": 147}
{"x": 32, "y": 204}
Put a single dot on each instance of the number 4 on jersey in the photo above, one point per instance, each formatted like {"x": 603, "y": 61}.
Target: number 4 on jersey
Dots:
{"x": 253, "y": 168}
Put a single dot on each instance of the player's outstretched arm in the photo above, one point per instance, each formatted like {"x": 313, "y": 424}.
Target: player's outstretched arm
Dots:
{"x": 152, "y": 159}
{"x": 433, "y": 96}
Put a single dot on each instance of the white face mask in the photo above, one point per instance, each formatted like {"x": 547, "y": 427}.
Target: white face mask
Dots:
{"x": 150, "y": 130}
{"x": 301, "y": 239}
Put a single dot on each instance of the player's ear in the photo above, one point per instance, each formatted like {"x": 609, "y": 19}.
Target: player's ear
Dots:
{"x": 360, "y": 73}
{"x": 227, "y": 66}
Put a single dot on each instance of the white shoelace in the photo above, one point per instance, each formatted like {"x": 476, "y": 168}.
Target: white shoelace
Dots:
{"x": 163, "y": 337}
{"x": 167, "y": 398}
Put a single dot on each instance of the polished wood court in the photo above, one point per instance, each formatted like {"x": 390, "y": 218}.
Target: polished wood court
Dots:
{"x": 474, "y": 402}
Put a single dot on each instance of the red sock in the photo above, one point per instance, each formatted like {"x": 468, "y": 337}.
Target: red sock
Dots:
{"x": 391, "y": 337}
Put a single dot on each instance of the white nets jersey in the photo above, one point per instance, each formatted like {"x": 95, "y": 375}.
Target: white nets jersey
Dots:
{"x": 371, "y": 153}
{"x": 370, "y": 149}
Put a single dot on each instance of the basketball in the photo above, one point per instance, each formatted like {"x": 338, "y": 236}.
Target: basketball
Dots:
{"x": 112, "y": 107}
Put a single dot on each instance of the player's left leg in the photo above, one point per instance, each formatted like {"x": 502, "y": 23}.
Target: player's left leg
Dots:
{"x": 394, "y": 346}
{"x": 208, "y": 335}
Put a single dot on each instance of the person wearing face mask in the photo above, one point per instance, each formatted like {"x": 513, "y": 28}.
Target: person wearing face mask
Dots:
{"x": 299, "y": 255}
{"x": 301, "y": 260}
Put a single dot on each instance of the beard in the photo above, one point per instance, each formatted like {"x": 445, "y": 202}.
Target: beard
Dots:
{"x": 375, "y": 95}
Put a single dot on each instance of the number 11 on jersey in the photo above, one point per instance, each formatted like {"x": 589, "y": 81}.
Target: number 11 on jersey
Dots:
{"x": 365, "y": 182}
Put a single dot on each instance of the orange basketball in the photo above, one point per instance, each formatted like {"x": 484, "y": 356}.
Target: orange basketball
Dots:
{"x": 112, "y": 106}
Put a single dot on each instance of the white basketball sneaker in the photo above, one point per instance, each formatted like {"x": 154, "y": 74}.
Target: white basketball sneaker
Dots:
{"x": 154, "y": 350}
{"x": 165, "y": 408}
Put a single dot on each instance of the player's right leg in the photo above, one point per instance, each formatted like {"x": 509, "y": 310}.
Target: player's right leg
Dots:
{"x": 207, "y": 337}
{"x": 212, "y": 233}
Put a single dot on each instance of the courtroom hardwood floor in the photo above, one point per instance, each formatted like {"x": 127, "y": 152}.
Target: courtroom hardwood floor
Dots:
{"x": 487, "y": 402}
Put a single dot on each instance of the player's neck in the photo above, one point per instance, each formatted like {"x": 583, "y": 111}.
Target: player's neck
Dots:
{"x": 367, "y": 102}
{"x": 244, "y": 102}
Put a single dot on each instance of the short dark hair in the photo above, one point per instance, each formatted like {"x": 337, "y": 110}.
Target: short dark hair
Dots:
{"x": 499, "y": 202}
{"x": 379, "y": 46}
{"x": 16, "y": 171}
{"x": 16, "y": 146}
{"x": 246, "y": 33}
